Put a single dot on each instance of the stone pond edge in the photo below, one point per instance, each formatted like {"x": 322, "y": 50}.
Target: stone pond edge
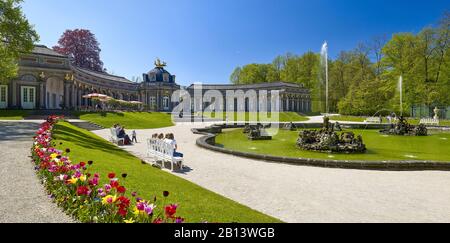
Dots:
{"x": 208, "y": 142}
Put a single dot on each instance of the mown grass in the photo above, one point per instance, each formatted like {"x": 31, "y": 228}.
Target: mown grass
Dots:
{"x": 380, "y": 147}
{"x": 131, "y": 120}
{"x": 255, "y": 116}
{"x": 412, "y": 121}
{"x": 196, "y": 204}
{"x": 13, "y": 114}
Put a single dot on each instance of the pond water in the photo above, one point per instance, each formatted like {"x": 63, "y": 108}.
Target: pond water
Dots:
{"x": 435, "y": 147}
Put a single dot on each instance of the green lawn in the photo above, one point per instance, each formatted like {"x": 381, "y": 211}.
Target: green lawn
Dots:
{"x": 13, "y": 114}
{"x": 196, "y": 203}
{"x": 412, "y": 121}
{"x": 434, "y": 147}
{"x": 283, "y": 116}
{"x": 131, "y": 120}
{"x": 348, "y": 118}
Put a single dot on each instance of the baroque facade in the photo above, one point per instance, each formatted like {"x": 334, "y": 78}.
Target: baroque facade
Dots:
{"x": 48, "y": 81}
{"x": 293, "y": 97}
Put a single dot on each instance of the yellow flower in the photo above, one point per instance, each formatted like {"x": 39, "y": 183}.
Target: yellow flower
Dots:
{"x": 109, "y": 199}
{"x": 138, "y": 212}
{"x": 73, "y": 180}
{"x": 129, "y": 221}
{"x": 54, "y": 155}
{"x": 83, "y": 178}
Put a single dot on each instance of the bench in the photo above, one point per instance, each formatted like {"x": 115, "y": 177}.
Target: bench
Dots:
{"x": 429, "y": 121}
{"x": 162, "y": 151}
{"x": 373, "y": 120}
{"x": 115, "y": 139}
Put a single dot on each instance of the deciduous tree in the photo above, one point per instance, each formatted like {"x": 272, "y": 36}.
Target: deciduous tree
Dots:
{"x": 17, "y": 37}
{"x": 82, "y": 46}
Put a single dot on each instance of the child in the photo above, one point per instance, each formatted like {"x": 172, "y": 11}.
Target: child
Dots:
{"x": 133, "y": 135}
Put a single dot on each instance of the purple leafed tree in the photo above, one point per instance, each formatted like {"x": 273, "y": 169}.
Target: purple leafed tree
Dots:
{"x": 83, "y": 47}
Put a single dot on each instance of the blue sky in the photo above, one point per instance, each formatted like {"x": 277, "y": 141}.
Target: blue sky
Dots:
{"x": 204, "y": 40}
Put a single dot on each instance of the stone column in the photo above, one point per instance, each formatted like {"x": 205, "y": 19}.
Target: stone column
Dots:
{"x": 15, "y": 101}
{"x": 66, "y": 95}
{"x": 73, "y": 97}
{"x": 302, "y": 108}
{"x": 41, "y": 96}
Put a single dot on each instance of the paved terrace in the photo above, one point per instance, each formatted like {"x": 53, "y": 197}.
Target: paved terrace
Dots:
{"x": 23, "y": 198}
{"x": 309, "y": 194}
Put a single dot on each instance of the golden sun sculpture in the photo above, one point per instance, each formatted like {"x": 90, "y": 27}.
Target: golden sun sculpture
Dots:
{"x": 160, "y": 64}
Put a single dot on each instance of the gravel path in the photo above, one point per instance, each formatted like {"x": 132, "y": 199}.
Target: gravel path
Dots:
{"x": 23, "y": 199}
{"x": 309, "y": 194}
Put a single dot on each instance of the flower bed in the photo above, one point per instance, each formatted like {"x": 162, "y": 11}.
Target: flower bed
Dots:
{"x": 76, "y": 189}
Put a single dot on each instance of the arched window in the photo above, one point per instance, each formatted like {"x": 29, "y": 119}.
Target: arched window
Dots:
{"x": 166, "y": 77}
{"x": 152, "y": 77}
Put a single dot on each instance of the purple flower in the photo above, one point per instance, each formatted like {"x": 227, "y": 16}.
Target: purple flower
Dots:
{"x": 108, "y": 188}
{"x": 140, "y": 206}
{"x": 149, "y": 210}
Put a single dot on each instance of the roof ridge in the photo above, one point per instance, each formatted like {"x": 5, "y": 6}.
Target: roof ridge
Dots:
{"x": 104, "y": 73}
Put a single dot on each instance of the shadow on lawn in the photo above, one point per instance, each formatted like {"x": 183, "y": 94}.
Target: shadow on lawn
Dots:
{"x": 86, "y": 141}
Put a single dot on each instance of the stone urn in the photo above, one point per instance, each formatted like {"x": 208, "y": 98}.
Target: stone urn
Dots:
{"x": 436, "y": 113}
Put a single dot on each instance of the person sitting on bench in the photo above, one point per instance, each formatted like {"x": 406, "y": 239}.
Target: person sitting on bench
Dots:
{"x": 170, "y": 139}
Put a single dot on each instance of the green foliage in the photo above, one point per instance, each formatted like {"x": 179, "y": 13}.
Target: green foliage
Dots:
{"x": 16, "y": 37}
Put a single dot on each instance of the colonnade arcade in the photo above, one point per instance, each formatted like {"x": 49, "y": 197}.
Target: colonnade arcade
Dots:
{"x": 295, "y": 102}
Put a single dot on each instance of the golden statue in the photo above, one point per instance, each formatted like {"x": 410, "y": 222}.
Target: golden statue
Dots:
{"x": 69, "y": 77}
{"x": 160, "y": 64}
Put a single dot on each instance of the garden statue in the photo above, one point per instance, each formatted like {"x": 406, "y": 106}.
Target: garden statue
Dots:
{"x": 337, "y": 127}
{"x": 327, "y": 140}
{"x": 258, "y": 132}
{"x": 403, "y": 128}
{"x": 290, "y": 126}
{"x": 246, "y": 129}
{"x": 436, "y": 113}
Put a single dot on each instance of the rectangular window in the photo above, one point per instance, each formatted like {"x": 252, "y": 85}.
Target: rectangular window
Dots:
{"x": 31, "y": 90}
{"x": 152, "y": 101}
{"x": 3, "y": 93}
{"x": 25, "y": 94}
{"x": 166, "y": 102}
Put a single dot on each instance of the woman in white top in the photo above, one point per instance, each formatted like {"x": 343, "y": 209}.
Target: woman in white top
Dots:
{"x": 170, "y": 139}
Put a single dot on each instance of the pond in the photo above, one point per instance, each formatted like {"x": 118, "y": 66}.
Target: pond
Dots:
{"x": 435, "y": 147}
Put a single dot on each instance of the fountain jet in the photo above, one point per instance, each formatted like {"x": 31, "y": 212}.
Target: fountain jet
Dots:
{"x": 400, "y": 87}
{"x": 324, "y": 64}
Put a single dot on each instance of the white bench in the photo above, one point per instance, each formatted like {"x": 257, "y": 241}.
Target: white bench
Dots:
{"x": 116, "y": 139}
{"x": 162, "y": 151}
{"x": 373, "y": 120}
{"x": 429, "y": 121}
